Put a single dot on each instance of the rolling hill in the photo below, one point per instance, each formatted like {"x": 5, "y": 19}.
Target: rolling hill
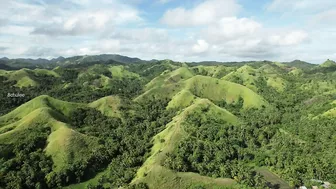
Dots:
{"x": 167, "y": 124}
{"x": 157, "y": 176}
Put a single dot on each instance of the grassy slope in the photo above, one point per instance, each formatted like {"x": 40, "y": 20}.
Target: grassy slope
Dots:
{"x": 64, "y": 144}
{"x": 26, "y": 77}
{"x": 109, "y": 106}
{"x": 42, "y": 101}
{"x": 328, "y": 63}
{"x": 121, "y": 72}
{"x": 157, "y": 176}
{"x": 249, "y": 76}
{"x": 212, "y": 71}
{"x": 172, "y": 77}
{"x": 182, "y": 87}
{"x": 216, "y": 90}
{"x": 273, "y": 178}
{"x": 23, "y": 78}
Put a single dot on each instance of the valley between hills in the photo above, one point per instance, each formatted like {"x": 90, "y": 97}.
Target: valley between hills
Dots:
{"x": 119, "y": 122}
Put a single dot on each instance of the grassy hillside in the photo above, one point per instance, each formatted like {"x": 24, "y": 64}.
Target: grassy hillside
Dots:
{"x": 108, "y": 106}
{"x": 181, "y": 87}
{"x": 155, "y": 175}
{"x": 43, "y": 101}
{"x": 167, "y": 124}
{"x": 249, "y": 77}
{"x": 26, "y": 77}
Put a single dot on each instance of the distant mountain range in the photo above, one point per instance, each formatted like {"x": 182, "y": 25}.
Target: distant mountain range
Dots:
{"x": 61, "y": 61}
{"x": 6, "y": 63}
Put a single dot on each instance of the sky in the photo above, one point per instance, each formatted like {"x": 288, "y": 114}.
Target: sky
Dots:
{"x": 181, "y": 30}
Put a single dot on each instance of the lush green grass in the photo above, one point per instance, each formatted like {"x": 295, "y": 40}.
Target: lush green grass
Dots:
{"x": 26, "y": 77}
{"x": 246, "y": 74}
{"x": 82, "y": 185}
{"x": 172, "y": 77}
{"x": 182, "y": 99}
{"x": 42, "y": 101}
{"x": 218, "y": 90}
{"x": 296, "y": 72}
{"x": 273, "y": 178}
{"x": 182, "y": 92}
{"x": 64, "y": 144}
{"x": 23, "y": 78}
{"x": 249, "y": 76}
{"x": 108, "y": 106}
{"x": 276, "y": 82}
{"x": 328, "y": 63}
{"x": 212, "y": 71}
{"x": 46, "y": 72}
{"x": 121, "y": 72}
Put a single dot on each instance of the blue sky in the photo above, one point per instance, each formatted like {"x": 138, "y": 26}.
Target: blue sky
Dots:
{"x": 189, "y": 30}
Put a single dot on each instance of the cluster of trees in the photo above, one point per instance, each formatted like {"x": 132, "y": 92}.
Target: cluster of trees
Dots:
{"x": 218, "y": 149}
{"x": 23, "y": 164}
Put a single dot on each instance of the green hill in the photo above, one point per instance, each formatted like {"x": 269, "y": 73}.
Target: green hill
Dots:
{"x": 26, "y": 77}
{"x": 168, "y": 77}
{"x": 108, "y": 106}
{"x": 156, "y": 176}
{"x": 183, "y": 92}
{"x": 328, "y": 63}
{"x": 43, "y": 101}
{"x": 65, "y": 145}
{"x": 248, "y": 76}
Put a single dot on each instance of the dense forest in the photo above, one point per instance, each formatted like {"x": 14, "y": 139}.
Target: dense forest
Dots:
{"x": 167, "y": 124}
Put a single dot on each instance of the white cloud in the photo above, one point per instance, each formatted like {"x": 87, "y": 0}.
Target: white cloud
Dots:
{"x": 69, "y": 17}
{"x": 142, "y": 35}
{"x": 231, "y": 28}
{"x": 200, "y": 47}
{"x": 207, "y": 12}
{"x": 291, "y": 38}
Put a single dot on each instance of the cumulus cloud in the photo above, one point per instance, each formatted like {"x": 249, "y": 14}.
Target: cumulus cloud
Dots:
{"x": 88, "y": 20}
{"x": 207, "y": 12}
{"x": 200, "y": 47}
{"x": 208, "y": 29}
{"x": 231, "y": 28}
{"x": 141, "y": 35}
{"x": 291, "y": 38}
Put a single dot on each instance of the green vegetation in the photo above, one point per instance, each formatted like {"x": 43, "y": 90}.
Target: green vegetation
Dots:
{"x": 91, "y": 122}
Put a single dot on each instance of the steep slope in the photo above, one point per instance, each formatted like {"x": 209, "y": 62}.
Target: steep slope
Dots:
{"x": 155, "y": 175}
{"x": 65, "y": 145}
{"x": 300, "y": 64}
{"x": 212, "y": 71}
{"x": 183, "y": 92}
{"x": 120, "y": 72}
{"x": 218, "y": 90}
{"x": 248, "y": 76}
{"x": 172, "y": 77}
{"x": 100, "y": 76}
{"x": 43, "y": 101}
{"x": 328, "y": 63}
{"x": 23, "y": 78}
{"x": 108, "y": 106}
{"x": 26, "y": 77}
